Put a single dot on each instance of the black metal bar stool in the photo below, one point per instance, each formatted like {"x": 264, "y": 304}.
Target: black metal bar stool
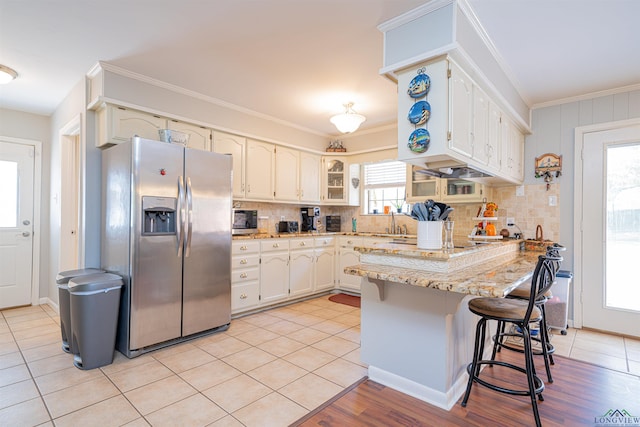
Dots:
{"x": 523, "y": 292}
{"x": 520, "y": 313}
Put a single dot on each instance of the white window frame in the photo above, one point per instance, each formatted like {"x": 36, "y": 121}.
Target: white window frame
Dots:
{"x": 387, "y": 181}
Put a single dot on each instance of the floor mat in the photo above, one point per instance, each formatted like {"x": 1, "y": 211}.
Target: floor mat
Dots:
{"x": 351, "y": 300}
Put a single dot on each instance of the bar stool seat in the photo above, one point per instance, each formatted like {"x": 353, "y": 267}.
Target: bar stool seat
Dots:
{"x": 521, "y": 313}
{"x": 507, "y": 310}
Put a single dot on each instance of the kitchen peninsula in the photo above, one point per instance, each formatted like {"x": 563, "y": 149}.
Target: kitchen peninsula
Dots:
{"x": 416, "y": 330}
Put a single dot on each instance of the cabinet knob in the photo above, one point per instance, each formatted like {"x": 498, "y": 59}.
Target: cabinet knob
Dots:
{"x": 276, "y": 245}
{"x": 243, "y": 261}
{"x": 243, "y": 248}
{"x": 243, "y": 296}
{"x": 349, "y": 242}
{"x": 243, "y": 275}
{"x": 303, "y": 244}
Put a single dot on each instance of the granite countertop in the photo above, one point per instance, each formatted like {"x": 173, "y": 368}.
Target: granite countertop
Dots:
{"x": 318, "y": 234}
{"x": 462, "y": 248}
{"x": 489, "y": 280}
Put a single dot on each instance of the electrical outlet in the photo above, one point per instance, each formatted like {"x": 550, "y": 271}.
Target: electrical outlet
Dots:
{"x": 520, "y": 191}
{"x": 282, "y": 218}
{"x": 553, "y": 201}
{"x": 511, "y": 221}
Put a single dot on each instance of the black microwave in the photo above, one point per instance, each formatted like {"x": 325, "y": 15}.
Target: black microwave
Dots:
{"x": 244, "y": 221}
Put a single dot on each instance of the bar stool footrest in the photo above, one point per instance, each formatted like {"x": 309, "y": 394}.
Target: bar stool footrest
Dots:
{"x": 538, "y": 383}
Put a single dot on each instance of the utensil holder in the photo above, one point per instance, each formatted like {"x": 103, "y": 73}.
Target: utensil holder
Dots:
{"x": 430, "y": 235}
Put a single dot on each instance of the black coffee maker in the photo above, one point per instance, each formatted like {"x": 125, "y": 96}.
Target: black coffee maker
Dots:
{"x": 309, "y": 215}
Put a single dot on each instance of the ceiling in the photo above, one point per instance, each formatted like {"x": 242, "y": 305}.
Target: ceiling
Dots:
{"x": 298, "y": 61}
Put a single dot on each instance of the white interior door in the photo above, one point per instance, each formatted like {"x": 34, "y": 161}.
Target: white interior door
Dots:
{"x": 611, "y": 230}
{"x": 16, "y": 223}
{"x": 69, "y": 209}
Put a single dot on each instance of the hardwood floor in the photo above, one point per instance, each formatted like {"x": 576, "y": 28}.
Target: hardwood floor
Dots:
{"x": 580, "y": 394}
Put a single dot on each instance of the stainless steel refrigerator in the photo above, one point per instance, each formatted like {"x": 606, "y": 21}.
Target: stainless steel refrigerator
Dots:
{"x": 167, "y": 231}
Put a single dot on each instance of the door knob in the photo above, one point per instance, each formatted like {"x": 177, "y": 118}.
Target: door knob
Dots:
{"x": 26, "y": 234}
{"x": 26, "y": 222}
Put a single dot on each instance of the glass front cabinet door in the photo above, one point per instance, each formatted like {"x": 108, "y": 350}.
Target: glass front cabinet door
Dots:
{"x": 460, "y": 190}
{"x": 421, "y": 187}
{"x": 334, "y": 180}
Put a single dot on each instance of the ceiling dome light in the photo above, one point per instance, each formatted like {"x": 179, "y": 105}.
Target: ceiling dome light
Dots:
{"x": 349, "y": 121}
{"x": 7, "y": 74}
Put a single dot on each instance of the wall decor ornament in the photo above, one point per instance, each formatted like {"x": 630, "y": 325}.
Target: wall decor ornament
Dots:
{"x": 419, "y": 112}
{"x": 548, "y": 166}
{"x": 419, "y": 85}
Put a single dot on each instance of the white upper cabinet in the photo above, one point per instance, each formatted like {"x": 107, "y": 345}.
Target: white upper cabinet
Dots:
{"x": 464, "y": 126}
{"x": 421, "y": 187}
{"x": 225, "y": 143}
{"x": 260, "y": 170}
{"x": 513, "y": 153}
{"x": 309, "y": 177}
{"x": 199, "y": 137}
{"x": 480, "y": 130}
{"x": 118, "y": 124}
{"x": 460, "y": 111}
{"x": 286, "y": 174}
{"x": 494, "y": 142}
{"x": 334, "y": 179}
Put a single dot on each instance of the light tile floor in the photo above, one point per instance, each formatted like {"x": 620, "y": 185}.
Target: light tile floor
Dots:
{"x": 268, "y": 369}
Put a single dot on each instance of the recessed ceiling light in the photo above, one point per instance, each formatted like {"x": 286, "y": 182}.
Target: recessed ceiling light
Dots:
{"x": 7, "y": 74}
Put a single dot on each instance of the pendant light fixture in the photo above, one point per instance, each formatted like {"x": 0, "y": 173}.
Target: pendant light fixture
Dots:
{"x": 7, "y": 74}
{"x": 349, "y": 121}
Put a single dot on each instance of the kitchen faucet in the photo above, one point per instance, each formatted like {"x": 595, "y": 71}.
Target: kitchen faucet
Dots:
{"x": 393, "y": 223}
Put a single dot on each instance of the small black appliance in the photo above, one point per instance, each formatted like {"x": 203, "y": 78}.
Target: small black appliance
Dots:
{"x": 333, "y": 223}
{"x": 309, "y": 215}
{"x": 288, "y": 226}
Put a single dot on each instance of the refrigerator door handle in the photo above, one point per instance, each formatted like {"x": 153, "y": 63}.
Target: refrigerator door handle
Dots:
{"x": 181, "y": 216}
{"x": 187, "y": 246}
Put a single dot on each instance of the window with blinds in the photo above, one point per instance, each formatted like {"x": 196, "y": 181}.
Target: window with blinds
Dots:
{"x": 384, "y": 187}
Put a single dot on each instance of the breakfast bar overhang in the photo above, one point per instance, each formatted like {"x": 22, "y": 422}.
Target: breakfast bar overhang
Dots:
{"x": 416, "y": 331}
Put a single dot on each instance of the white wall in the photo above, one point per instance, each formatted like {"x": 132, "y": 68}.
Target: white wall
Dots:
{"x": 18, "y": 124}
{"x": 70, "y": 108}
{"x": 553, "y": 132}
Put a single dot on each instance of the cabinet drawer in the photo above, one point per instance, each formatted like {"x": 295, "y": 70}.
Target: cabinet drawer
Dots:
{"x": 372, "y": 241}
{"x": 244, "y": 247}
{"x": 274, "y": 245}
{"x": 238, "y": 276}
{"x": 324, "y": 242}
{"x": 304, "y": 243}
{"x": 349, "y": 241}
{"x": 250, "y": 260}
{"x": 244, "y": 296}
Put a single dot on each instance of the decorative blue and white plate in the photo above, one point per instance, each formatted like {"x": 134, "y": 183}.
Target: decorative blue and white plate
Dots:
{"x": 419, "y": 85}
{"x": 419, "y": 140}
{"x": 419, "y": 113}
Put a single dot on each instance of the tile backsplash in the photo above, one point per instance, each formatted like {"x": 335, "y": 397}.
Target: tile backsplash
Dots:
{"x": 529, "y": 211}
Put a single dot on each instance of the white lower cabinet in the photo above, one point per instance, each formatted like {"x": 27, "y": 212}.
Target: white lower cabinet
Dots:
{"x": 245, "y": 275}
{"x": 274, "y": 270}
{"x": 325, "y": 254}
{"x": 346, "y": 257}
{"x": 301, "y": 273}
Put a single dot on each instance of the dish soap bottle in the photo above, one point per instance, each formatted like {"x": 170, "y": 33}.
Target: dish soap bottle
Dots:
{"x": 354, "y": 224}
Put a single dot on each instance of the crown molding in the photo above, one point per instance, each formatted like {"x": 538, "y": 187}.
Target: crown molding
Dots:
{"x": 587, "y": 96}
{"x": 212, "y": 100}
